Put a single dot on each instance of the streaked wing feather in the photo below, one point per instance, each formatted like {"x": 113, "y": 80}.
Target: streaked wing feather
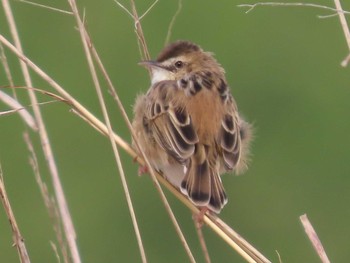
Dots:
{"x": 183, "y": 124}
{"x": 230, "y": 141}
{"x": 171, "y": 125}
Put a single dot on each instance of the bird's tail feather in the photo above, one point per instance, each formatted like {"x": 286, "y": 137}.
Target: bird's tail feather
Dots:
{"x": 202, "y": 184}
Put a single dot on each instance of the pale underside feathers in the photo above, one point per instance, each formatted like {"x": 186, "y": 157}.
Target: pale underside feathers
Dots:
{"x": 189, "y": 125}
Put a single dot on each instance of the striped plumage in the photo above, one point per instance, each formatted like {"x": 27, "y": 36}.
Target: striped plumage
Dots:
{"x": 188, "y": 123}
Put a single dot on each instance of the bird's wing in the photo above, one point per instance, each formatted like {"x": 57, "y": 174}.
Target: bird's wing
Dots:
{"x": 229, "y": 135}
{"x": 170, "y": 124}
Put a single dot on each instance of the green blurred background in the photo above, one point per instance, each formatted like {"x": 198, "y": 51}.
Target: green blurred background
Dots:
{"x": 283, "y": 65}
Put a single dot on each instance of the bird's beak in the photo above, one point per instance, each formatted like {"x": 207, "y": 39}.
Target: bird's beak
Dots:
{"x": 151, "y": 64}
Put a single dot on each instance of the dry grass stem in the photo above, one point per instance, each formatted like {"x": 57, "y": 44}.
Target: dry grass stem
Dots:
{"x": 252, "y": 6}
{"x": 327, "y": 16}
{"x": 23, "y": 112}
{"x": 16, "y": 234}
{"x": 124, "y": 8}
{"x": 243, "y": 247}
{"x": 345, "y": 28}
{"x": 279, "y": 257}
{"x": 172, "y": 22}
{"x": 312, "y": 235}
{"x": 346, "y": 60}
{"x": 87, "y": 46}
{"x": 139, "y": 32}
{"x": 54, "y": 248}
{"x": 198, "y": 227}
{"x": 149, "y": 9}
{"x": 45, "y": 142}
{"x": 49, "y": 201}
{"x": 6, "y": 66}
{"x": 17, "y": 107}
{"x": 46, "y": 7}
{"x": 138, "y": 29}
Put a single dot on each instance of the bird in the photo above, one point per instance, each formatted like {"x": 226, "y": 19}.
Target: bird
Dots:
{"x": 188, "y": 124}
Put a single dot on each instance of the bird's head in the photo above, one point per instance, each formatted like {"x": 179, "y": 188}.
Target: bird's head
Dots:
{"x": 179, "y": 59}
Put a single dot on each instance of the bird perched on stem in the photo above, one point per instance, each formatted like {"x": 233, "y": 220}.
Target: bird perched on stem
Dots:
{"x": 188, "y": 124}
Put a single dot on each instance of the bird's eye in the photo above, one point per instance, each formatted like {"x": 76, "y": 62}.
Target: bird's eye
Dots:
{"x": 179, "y": 64}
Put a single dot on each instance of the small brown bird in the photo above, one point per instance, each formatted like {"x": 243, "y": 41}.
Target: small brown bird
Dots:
{"x": 188, "y": 124}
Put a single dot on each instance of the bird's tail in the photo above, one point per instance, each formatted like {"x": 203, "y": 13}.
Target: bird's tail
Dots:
{"x": 202, "y": 183}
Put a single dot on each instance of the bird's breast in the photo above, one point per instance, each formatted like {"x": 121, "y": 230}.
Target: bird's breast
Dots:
{"x": 205, "y": 109}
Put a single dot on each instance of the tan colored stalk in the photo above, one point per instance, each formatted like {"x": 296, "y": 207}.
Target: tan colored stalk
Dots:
{"x": 45, "y": 142}
{"x": 16, "y": 234}
{"x": 345, "y": 28}
{"x": 86, "y": 44}
{"x": 313, "y": 237}
{"x": 49, "y": 202}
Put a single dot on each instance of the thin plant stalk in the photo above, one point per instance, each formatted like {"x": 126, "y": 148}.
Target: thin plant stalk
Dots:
{"x": 139, "y": 32}
{"x": 86, "y": 43}
{"x": 199, "y": 230}
{"x": 345, "y": 28}
{"x": 45, "y": 142}
{"x": 172, "y": 22}
{"x": 49, "y": 201}
{"x": 8, "y": 74}
{"x": 314, "y": 239}
{"x": 17, "y": 107}
{"x": 253, "y": 6}
{"x": 16, "y": 234}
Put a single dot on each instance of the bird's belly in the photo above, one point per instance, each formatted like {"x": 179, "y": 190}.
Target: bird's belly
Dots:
{"x": 174, "y": 173}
